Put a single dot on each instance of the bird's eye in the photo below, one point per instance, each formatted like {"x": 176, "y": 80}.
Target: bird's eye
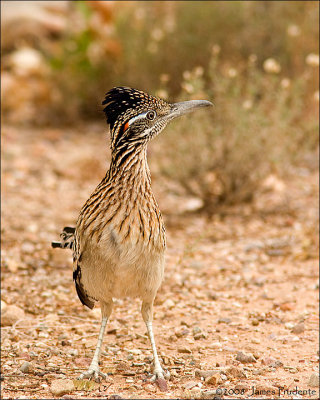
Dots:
{"x": 151, "y": 115}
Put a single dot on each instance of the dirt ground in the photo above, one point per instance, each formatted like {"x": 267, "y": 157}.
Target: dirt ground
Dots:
{"x": 245, "y": 281}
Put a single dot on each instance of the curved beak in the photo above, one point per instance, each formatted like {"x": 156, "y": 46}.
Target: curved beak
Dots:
{"x": 185, "y": 107}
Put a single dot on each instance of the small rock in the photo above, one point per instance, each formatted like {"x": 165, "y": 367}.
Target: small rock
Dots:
{"x": 235, "y": 372}
{"x": 264, "y": 387}
{"x": 215, "y": 345}
{"x": 205, "y": 374}
{"x": 271, "y": 362}
{"x": 289, "y": 325}
{"x": 190, "y": 385}
{"x": 259, "y": 371}
{"x": 314, "y": 380}
{"x": 298, "y": 329}
{"x": 149, "y": 388}
{"x": 255, "y": 341}
{"x": 136, "y": 352}
{"x": 11, "y": 315}
{"x": 59, "y": 387}
{"x": 214, "y": 379}
{"x": 184, "y": 350}
{"x": 201, "y": 335}
{"x": 245, "y": 357}
{"x": 128, "y": 373}
{"x": 194, "y": 393}
{"x": 286, "y": 306}
{"x": 231, "y": 349}
{"x": 224, "y": 320}
{"x": 196, "y": 330}
{"x": 26, "y": 367}
{"x": 212, "y": 296}
{"x": 255, "y": 322}
{"x": 169, "y": 304}
{"x": 212, "y": 394}
{"x": 182, "y": 332}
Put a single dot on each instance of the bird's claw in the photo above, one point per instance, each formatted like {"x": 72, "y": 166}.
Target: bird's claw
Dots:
{"x": 160, "y": 374}
{"x": 94, "y": 374}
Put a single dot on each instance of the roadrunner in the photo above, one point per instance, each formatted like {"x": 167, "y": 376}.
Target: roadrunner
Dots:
{"x": 119, "y": 240}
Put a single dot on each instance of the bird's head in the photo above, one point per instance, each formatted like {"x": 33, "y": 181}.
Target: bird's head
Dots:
{"x": 136, "y": 117}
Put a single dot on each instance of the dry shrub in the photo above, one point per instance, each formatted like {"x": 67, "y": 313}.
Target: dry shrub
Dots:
{"x": 260, "y": 124}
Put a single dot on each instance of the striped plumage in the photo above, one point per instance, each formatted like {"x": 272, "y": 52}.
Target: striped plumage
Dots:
{"x": 119, "y": 240}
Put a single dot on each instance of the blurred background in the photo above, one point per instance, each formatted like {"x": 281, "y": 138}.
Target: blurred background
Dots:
{"x": 257, "y": 61}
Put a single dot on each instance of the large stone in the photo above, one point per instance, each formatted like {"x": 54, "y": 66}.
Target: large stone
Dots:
{"x": 11, "y": 314}
{"x": 59, "y": 387}
{"x": 245, "y": 357}
{"x": 314, "y": 380}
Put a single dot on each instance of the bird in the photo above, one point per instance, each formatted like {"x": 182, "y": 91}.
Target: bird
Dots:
{"x": 119, "y": 239}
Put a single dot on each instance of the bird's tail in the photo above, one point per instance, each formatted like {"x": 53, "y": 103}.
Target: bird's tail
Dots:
{"x": 67, "y": 238}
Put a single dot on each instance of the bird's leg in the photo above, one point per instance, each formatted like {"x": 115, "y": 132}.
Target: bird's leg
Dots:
{"x": 94, "y": 370}
{"x": 147, "y": 314}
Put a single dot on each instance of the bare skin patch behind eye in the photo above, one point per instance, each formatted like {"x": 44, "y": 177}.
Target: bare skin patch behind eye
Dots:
{"x": 140, "y": 116}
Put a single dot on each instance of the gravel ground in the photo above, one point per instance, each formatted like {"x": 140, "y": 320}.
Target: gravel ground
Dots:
{"x": 236, "y": 316}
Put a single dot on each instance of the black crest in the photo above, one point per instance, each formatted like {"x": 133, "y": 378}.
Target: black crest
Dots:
{"x": 119, "y": 99}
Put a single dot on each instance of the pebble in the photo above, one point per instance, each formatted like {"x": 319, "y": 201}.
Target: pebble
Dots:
{"x": 190, "y": 385}
{"x": 184, "y": 350}
{"x": 259, "y": 371}
{"x": 214, "y": 379}
{"x": 11, "y": 315}
{"x": 194, "y": 393}
{"x": 271, "y": 362}
{"x": 224, "y": 320}
{"x": 297, "y": 329}
{"x": 59, "y": 387}
{"x": 231, "y": 349}
{"x": 235, "y": 372}
{"x": 149, "y": 388}
{"x": 201, "y": 335}
{"x": 255, "y": 322}
{"x": 169, "y": 304}
{"x": 182, "y": 332}
{"x": 314, "y": 380}
{"x": 215, "y": 345}
{"x": 205, "y": 374}
{"x": 264, "y": 387}
{"x": 26, "y": 367}
{"x": 255, "y": 341}
{"x": 135, "y": 351}
{"x": 289, "y": 325}
{"x": 211, "y": 394}
{"x": 245, "y": 357}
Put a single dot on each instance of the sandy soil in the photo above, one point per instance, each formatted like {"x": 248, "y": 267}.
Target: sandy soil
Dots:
{"x": 246, "y": 282}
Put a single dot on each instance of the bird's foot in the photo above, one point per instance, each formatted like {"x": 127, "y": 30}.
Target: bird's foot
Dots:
{"x": 93, "y": 373}
{"x": 159, "y": 373}
{"x": 159, "y": 377}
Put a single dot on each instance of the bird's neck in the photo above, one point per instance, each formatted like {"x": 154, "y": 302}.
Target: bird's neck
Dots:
{"x": 130, "y": 167}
